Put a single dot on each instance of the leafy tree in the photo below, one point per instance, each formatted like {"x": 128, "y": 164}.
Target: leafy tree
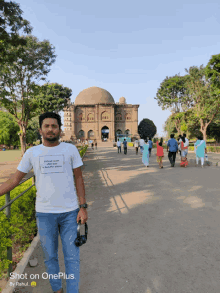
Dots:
{"x": 147, "y": 129}
{"x": 8, "y": 129}
{"x": 213, "y": 130}
{"x": 212, "y": 71}
{"x": 16, "y": 81}
{"x": 11, "y": 19}
{"x": 169, "y": 126}
{"x": 52, "y": 97}
{"x": 173, "y": 94}
{"x": 206, "y": 103}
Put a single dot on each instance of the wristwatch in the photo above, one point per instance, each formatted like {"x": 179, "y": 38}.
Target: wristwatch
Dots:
{"x": 84, "y": 206}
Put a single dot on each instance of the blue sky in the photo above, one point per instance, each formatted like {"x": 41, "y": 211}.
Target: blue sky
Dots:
{"x": 125, "y": 47}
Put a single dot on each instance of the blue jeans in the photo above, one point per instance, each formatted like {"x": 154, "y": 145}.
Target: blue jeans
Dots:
{"x": 49, "y": 225}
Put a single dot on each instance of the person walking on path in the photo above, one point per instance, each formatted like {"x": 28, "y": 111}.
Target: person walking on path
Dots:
{"x": 92, "y": 145}
{"x": 179, "y": 144}
{"x": 173, "y": 148}
{"x": 150, "y": 145}
{"x": 136, "y": 145}
{"x": 119, "y": 145}
{"x": 200, "y": 149}
{"x": 145, "y": 156}
{"x": 186, "y": 144}
{"x": 184, "y": 147}
{"x": 59, "y": 205}
{"x": 141, "y": 143}
{"x": 160, "y": 153}
{"x": 125, "y": 146}
{"x": 96, "y": 143}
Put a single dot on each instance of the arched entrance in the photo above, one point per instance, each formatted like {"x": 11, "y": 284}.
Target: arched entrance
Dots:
{"x": 105, "y": 133}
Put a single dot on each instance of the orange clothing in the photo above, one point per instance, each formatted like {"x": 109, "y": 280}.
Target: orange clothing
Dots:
{"x": 182, "y": 146}
{"x": 159, "y": 150}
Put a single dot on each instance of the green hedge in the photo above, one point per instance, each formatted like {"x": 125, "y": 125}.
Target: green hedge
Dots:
{"x": 211, "y": 149}
{"x": 22, "y": 224}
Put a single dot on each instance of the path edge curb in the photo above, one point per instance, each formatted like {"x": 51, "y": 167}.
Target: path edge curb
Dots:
{"x": 21, "y": 265}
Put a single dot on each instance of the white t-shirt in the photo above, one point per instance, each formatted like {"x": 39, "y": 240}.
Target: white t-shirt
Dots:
{"x": 142, "y": 142}
{"x": 136, "y": 144}
{"x": 53, "y": 170}
{"x": 179, "y": 146}
{"x": 118, "y": 143}
{"x": 186, "y": 142}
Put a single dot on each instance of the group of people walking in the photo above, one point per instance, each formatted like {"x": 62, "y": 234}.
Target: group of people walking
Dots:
{"x": 173, "y": 147}
{"x": 86, "y": 142}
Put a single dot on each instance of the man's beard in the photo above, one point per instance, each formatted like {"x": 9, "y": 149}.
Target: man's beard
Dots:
{"x": 52, "y": 138}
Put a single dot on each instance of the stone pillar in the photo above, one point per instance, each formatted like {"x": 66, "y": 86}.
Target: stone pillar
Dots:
{"x": 113, "y": 122}
{"x": 135, "y": 112}
{"x": 86, "y": 125}
{"x": 73, "y": 122}
{"x": 111, "y": 133}
{"x": 97, "y": 122}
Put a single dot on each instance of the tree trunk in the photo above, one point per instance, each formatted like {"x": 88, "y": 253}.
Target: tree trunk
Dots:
{"x": 178, "y": 128}
{"x": 23, "y": 140}
{"x": 203, "y": 129}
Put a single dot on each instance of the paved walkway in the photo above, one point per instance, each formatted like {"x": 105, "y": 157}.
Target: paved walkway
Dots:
{"x": 151, "y": 230}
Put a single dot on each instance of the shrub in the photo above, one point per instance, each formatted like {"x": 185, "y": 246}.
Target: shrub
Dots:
{"x": 22, "y": 223}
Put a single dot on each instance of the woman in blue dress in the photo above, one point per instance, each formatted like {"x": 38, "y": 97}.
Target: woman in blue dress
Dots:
{"x": 145, "y": 156}
{"x": 200, "y": 149}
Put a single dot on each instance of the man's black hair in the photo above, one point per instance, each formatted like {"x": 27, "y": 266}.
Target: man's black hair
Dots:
{"x": 184, "y": 134}
{"x": 172, "y": 135}
{"x": 200, "y": 137}
{"x": 49, "y": 115}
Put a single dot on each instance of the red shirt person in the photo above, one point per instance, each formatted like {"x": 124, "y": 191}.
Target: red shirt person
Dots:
{"x": 160, "y": 154}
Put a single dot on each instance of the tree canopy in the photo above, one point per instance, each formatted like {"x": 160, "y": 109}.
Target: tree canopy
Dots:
{"x": 19, "y": 88}
{"x": 147, "y": 129}
{"x": 194, "y": 99}
{"x": 11, "y": 22}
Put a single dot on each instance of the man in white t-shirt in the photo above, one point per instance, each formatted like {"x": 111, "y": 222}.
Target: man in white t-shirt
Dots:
{"x": 119, "y": 145}
{"x": 141, "y": 143}
{"x": 179, "y": 144}
{"x": 136, "y": 145}
{"x": 55, "y": 165}
{"x": 186, "y": 144}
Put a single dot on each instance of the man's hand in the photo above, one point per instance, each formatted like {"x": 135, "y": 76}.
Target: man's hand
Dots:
{"x": 82, "y": 215}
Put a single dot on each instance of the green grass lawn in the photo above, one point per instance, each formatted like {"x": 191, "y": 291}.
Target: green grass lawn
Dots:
{"x": 10, "y": 155}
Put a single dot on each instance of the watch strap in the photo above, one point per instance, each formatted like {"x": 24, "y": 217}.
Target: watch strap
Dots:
{"x": 84, "y": 205}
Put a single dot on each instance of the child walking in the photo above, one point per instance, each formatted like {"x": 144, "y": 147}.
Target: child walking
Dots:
{"x": 160, "y": 154}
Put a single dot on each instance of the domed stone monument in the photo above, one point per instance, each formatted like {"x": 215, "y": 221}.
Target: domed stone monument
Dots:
{"x": 94, "y": 96}
{"x": 95, "y": 115}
